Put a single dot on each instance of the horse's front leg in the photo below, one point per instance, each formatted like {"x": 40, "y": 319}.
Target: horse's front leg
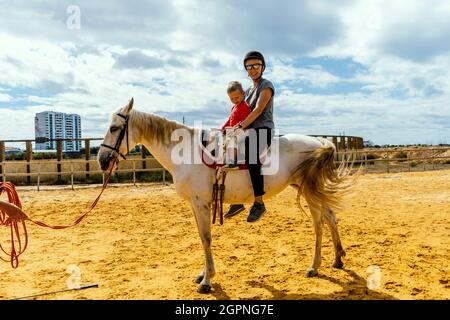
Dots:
{"x": 201, "y": 213}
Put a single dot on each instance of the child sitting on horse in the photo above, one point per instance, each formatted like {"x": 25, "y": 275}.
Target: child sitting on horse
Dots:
{"x": 239, "y": 111}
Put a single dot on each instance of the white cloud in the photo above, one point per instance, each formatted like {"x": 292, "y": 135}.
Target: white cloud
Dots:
{"x": 312, "y": 76}
{"x": 176, "y": 57}
{"x": 5, "y": 97}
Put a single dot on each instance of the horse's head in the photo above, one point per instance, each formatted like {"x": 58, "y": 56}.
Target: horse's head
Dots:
{"x": 118, "y": 139}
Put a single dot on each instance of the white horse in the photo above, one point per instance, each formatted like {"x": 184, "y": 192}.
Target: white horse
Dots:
{"x": 306, "y": 163}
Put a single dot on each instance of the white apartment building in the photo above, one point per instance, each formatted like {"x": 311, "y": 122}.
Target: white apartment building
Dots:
{"x": 53, "y": 125}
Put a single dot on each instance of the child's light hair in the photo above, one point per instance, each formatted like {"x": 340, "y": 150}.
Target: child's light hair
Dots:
{"x": 234, "y": 86}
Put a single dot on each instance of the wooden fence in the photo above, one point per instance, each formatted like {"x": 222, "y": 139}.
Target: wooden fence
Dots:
{"x": 344, "y": 143}
{"x": 68, "y": 171}
{"x": 399, "y": 159}
{"x": 87, "y": 170}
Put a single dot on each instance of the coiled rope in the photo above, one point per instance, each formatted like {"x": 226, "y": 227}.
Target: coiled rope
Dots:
{"x": 12, "y": 216}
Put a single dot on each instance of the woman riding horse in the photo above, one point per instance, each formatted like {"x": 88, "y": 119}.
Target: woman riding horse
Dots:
{"x": 260, "y": 99}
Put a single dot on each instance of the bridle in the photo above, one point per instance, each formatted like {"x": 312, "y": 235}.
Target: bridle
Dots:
{"x": 115, "y": 149}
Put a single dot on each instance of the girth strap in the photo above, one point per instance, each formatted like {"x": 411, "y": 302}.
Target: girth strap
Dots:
{"x": 217, "y": 194}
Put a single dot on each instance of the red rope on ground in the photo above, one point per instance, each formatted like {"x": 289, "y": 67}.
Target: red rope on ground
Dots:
{"x": 13, "y": 222}
{"x": 12, "y": 216}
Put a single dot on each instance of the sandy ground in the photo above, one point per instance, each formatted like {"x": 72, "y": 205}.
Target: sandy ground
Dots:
{"x": 142, "y": 243}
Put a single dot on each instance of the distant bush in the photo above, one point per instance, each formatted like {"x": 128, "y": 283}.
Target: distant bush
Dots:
{"x": 401, "y": 155}
{"x": 413, "y": 164}
{"x": 140, "y": 177}
{"x": 372, "y": 156}
{"x": 154, "y": 176}
{"x": 44, "y": 156}
{"x": 95, "y": 178}
{"x": 60, "y": 181}
{"x": 15, "y": 156}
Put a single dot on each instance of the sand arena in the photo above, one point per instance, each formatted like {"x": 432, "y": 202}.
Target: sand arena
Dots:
{"x": 142, "y": 243}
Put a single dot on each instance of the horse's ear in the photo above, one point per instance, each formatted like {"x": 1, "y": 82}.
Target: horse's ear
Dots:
{"x": 129, "y": 106}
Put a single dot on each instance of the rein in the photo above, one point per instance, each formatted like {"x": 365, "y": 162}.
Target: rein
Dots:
{"x": 11, "y": 215}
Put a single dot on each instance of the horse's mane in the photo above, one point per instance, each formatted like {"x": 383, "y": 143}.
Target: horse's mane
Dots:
{"x": 156, "y": 128}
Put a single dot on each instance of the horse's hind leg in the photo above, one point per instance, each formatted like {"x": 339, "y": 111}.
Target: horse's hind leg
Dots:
{"x": 330, "y": 219}
{"x": 201, "y": 213}
{"x": 316, "y": 214}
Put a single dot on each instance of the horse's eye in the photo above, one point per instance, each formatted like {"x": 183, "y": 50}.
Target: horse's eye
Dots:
{"x": 113, "y": 129}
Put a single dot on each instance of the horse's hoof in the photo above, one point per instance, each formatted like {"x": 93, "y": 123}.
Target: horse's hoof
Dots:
{"x": 311, "y": 273}
{"x": 199, "y": 278}
{"x": 338, "y": 264}
{"x": 204, "y": 288}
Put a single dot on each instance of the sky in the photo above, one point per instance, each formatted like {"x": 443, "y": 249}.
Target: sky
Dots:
{"x": 375, "y": 69}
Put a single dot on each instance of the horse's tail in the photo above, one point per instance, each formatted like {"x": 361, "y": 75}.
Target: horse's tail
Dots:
{"x": 319, "y": 181}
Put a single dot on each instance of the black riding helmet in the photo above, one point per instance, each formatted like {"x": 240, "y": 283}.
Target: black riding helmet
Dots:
{"x": 255, "y": 55}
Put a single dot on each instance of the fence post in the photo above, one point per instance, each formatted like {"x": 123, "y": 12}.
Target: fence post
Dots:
{"x": 4, "y": 171}
{"x": 387, "y": 161}
{"x": 143, "y": 156}
{"x": 408, "y": 161}
{"x": 432, "y": 160}
{"x": 2, "y": 158}
{"x": 39, "y": 176}
{"x": 29, "y": 156}
{"x": 71, "y": 174}
{"x": 342, "y": 143}
{"x": 335, "y": 142}
{"x": 87, "y": 152}
{"x": 134, "y": 172}
{"x": 59, "y": 157}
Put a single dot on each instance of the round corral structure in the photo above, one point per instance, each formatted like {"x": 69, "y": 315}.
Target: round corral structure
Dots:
{"x": 343, "y": 142}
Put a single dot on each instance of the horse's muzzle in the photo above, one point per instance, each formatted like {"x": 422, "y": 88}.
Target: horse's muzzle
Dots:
{"x": 105, "y": 160}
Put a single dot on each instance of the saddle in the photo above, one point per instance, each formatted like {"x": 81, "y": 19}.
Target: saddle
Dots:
{"x": 213, "y": 149}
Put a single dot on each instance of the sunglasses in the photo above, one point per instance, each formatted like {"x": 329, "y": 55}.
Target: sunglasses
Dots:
{"x": 253, "y": 66}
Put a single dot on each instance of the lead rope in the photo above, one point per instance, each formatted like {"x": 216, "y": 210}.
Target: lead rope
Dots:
{"x": 13, "y": 217}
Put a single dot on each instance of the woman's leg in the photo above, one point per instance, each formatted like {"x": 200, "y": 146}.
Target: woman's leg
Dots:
{"x": 258, "y": 145}
{"x": 262, "y": 141}
{"x": 257, "y": 179}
